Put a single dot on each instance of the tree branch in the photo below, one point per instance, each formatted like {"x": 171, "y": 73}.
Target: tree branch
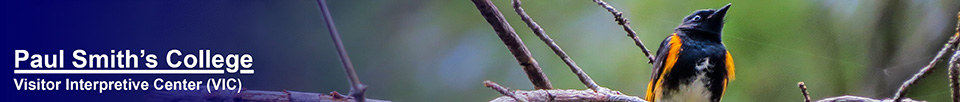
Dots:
{"x": 622, "y": 21}
{"x": 926, "y": 69}
{"x": 584, "y": 78}
{"x": 847, "y": 98}
{"x": 954, "y": 65}
{"x": 248, "y": 96}
{"x": 356, "y": 88}
{"x": 509, "y": 37}
{"x": 954, "y": 86}
{"x": 803, "y": 88}
{"x": 503, "y": 90}
{"x": 561, "y": 95}
{"x": 950, "y": 46}
{"x": 514, "y": 44}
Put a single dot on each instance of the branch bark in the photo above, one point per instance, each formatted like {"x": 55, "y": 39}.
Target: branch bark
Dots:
{"x": 954, "y": 74}
{"x": 848, "y": 98}
{"x": 503, "y": 90}
{"x": 954, "y": 86}
{"x": 565, "y": 95}
{"x": 806, "y": 94}
{"x": 584, "y": 78}
{"x": 622, "y": 21}
{"x": 514, "y": 44}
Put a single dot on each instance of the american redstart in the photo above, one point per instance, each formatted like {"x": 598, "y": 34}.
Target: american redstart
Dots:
{"x": 692, "y": 64}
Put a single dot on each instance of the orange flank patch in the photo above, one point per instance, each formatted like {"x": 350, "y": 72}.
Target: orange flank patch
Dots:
{"x": 730, "y": 74}
{"x": 672, "y": 55}
{"x": 724, "y": 88}
{"x": 730, "y": 69}
{"x": 650, "y": 94}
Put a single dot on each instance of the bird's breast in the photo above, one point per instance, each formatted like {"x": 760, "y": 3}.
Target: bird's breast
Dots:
{"x": 695, "y": 91}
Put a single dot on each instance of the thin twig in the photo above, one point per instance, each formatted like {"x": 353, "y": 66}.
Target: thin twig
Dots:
{"x": 926, "y": 69}
{"x": 618, "y": 16}
{"x": 954, "y": 65}
{"x": 584, "y": 78}
{"x": 503, "y": 90}
{"x": 513, "y": 42}
{"x": 806, "y": 94}
{"x": 356, "y": 88}
{"x": 953, "y": 76}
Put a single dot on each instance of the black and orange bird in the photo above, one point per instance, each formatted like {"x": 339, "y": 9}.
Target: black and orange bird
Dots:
{"x": 692, "y": 64}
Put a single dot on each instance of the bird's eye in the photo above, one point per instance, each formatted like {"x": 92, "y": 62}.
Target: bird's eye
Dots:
{"x": 695, "y": 18}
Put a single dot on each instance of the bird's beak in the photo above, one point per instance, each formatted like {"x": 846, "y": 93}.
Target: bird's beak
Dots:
{"x": 720, "y": 13}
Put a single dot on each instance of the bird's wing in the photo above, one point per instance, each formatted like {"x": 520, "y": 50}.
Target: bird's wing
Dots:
{"x": 729, "y": 65}
{"x": 666, "y": 57}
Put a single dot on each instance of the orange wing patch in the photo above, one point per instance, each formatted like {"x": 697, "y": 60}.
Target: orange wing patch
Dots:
{"x": 672, "y": 55}
{"x": 650, "y": 88}
{"x": 730, "y": 74}
{"x": 730, "y": 68}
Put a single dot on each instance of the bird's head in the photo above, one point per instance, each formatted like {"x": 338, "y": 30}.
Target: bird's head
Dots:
{"x": 706, "y": 20}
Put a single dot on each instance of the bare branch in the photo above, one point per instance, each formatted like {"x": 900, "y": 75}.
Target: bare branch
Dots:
{"x": 356, "y": 88}
{"x": 595, "y": 93}
{"x": 503, "y": 90}
{"x": 618, "y": 16}
{"x": 514, "y": 44}
{"x": 584, "y": 78}
{"x": 803, "y": 88}
{"x": 926, "y": 69}
{"x": 849, "y": 98}
{"x": 248, "y": 96}
{"x": 954, "y": 86}
{"x": 561, "y": 95}
{"x": 954, "y": 74}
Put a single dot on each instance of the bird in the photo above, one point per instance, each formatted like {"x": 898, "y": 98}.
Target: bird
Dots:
{"x": 692, "y": 64}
